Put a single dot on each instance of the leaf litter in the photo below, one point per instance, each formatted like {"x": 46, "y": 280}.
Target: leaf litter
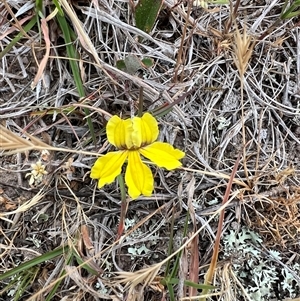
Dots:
{"x": 192, "y": 49}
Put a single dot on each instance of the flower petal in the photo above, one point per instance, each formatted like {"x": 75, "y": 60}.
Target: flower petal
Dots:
{"x": 138, "y": 176}
{"x": 163, "y": 155}
{"x": 145, "y": 130}
{"x": 119, "y": 132}
{"x": 108, "y": 167}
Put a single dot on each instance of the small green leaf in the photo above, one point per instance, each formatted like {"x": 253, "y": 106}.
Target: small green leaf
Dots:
{"x": 146, "y": 13}
{"x": 147, "y": 62}
{"x": 121, "y": 65}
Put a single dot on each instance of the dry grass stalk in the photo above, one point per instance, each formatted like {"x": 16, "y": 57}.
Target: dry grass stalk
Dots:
{"x": 11, "y": 143}
{"x": 193, "y": 266}
{"x": 43, "y": 63}
{"x": 15, "y": 144}
{"x": 82, "y": 35}
{"x": 82, "y": 282}
{"x": 243, "y": 49}
{"x": 144, "y": 276}
{"x": 24, "y": 207}
{"x": 218, "y": 175}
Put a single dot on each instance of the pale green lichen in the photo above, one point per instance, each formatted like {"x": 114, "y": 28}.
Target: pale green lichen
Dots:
{"x": 259, "y": 274}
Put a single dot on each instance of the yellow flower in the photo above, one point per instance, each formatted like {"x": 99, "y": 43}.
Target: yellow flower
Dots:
{"x": 134, "y": 137}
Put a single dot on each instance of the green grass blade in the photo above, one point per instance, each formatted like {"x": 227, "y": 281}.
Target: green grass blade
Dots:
{"x": 80, "y": 261}
{"x": 18, "y": 37}
{"x": 290, "y": 14}
{"x": 69, "y": 259}
{"x": 57, "y": 5}
{"x": 176, "y": 264}
{"x": 192, "y": 284}
{"x": 27, "y": 278}
{"x": 170, "y": 246}
{"x": 39, "y": 5}
{"x": 146, "y": 13}
{"x": 198, "y": 285}
{"x": 171, "y": 291}
{"x": 291, "y": 11}
{"x": 72, "y": 54}
{"x": 35, "y": 261}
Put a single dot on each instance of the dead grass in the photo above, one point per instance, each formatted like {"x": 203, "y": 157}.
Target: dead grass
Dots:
{"x": 245, "y": 99}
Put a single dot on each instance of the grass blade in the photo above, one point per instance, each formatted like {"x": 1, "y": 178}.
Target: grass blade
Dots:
{"x": 72, "y": 54}
{"x": 35, "y": 261}
{"x": 18, "y": 37}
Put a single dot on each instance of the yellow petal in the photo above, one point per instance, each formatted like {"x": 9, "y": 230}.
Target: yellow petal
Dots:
{"x": 119, "y": 132}
{"x": 145, "y": 130}
{"x": 108, "y": 167}
{"x": 163, "y": 155}
{"x": 138, "y": 176}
